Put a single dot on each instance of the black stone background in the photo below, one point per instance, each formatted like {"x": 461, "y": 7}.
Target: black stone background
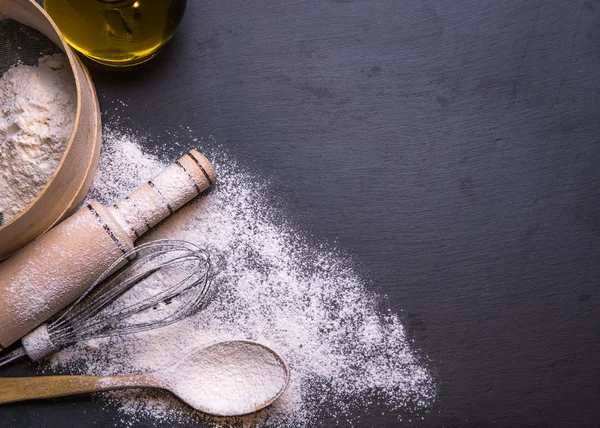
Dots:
{"x": 450, "y": 147}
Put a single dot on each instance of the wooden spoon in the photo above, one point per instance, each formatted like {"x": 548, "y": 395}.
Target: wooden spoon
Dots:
{"x": 225, "y": 379}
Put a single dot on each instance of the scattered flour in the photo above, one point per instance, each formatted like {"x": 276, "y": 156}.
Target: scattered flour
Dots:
{"x": 37, "y": 114}
{"x": 272, "y": 286}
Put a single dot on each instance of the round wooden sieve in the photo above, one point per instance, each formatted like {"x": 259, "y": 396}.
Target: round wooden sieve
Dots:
{"x": 69, "y": 183}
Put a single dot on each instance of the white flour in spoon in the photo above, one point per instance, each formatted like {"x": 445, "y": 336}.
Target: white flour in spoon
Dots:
{"x": 273, "y": 286}
{"x": 228, "y": 378}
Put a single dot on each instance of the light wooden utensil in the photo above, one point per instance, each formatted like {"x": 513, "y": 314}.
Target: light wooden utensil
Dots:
{"x": 47, "y": 274}
{"x": 71, "y": 180}
{"x": 242, "y": 357}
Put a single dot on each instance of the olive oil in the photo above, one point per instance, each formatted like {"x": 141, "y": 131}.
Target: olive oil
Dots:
{"x": 117, "y": 32}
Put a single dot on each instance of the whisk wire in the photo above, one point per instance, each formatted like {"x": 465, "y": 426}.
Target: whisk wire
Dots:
{"x": 165, "y": 295}
{"x": 99, "y": 311}
{"x": 102, "y": 299}
{"x": 115, "y": 270}
{"x": 107, "y": 321}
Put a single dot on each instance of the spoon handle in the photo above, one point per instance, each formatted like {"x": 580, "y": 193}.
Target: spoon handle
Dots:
{"x": 29, "y": 388}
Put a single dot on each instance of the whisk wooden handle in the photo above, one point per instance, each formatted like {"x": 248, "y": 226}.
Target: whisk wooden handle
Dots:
{"x": 14, "y": 389}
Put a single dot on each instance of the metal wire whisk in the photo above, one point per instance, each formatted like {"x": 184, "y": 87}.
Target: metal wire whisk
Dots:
{"x": 153, "y": 285}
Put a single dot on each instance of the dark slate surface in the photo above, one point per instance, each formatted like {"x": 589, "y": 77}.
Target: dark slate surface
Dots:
{"x": 451, "y": 148}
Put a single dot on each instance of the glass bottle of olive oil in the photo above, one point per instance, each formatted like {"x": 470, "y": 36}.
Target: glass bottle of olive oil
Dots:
{"x": 117, "y": 32}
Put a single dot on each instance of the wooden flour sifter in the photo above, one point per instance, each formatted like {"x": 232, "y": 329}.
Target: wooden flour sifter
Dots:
{"x": 26, "y": 32}
{"x": 58, "y": 267}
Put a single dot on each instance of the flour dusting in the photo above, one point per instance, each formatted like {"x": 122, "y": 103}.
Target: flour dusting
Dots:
{"x": 272, "y": 286}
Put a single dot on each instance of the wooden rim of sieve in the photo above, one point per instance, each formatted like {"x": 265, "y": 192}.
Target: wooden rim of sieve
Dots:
{"x": 29, "y": 13}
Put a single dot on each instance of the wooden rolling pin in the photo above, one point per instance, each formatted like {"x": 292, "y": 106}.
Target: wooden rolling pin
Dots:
{"x": 52, "y": 271}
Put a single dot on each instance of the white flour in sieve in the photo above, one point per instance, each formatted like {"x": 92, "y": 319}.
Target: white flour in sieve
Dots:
{"x": 38, "y": 107}
{"x": 272, "y": 286}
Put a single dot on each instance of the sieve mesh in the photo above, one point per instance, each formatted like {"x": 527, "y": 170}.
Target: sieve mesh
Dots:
{"x": 20, "y": 43}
